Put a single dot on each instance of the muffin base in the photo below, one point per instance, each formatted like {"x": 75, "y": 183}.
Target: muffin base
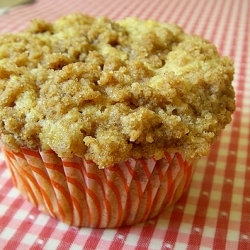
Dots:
{"x": 75, "y": 191}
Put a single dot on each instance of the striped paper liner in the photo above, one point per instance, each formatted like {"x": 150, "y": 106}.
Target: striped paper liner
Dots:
{"x": 76, "y": 192}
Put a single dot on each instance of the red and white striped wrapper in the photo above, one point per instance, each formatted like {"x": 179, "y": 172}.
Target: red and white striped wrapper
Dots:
{"x": 75, "y": 191}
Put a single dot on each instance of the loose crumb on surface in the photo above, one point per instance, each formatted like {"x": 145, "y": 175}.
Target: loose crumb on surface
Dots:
{"x": 110, "y": 90}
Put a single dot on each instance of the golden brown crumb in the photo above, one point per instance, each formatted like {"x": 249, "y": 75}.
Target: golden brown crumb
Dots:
{"x": 112, "y": 90}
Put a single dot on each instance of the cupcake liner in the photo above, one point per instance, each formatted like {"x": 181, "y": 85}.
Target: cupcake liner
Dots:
{"x": 76, "y": 192}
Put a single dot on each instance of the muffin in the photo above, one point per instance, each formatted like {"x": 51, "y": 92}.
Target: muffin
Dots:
{"x": 102, "y": 121}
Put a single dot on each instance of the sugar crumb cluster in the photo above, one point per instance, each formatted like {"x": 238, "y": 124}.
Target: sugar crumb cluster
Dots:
{"x": 110, "y": 90}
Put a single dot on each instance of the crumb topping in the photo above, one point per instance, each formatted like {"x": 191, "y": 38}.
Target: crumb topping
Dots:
{"x": 111, "y": 90}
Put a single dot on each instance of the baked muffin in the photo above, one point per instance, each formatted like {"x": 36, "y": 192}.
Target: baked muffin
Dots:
{"x": 102, "y": 121}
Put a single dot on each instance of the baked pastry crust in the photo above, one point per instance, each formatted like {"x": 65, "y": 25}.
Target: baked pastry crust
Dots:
{"x": 109, "y": 90}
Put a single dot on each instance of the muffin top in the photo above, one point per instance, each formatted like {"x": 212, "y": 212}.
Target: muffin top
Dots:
{"x": 108, "y": 91}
